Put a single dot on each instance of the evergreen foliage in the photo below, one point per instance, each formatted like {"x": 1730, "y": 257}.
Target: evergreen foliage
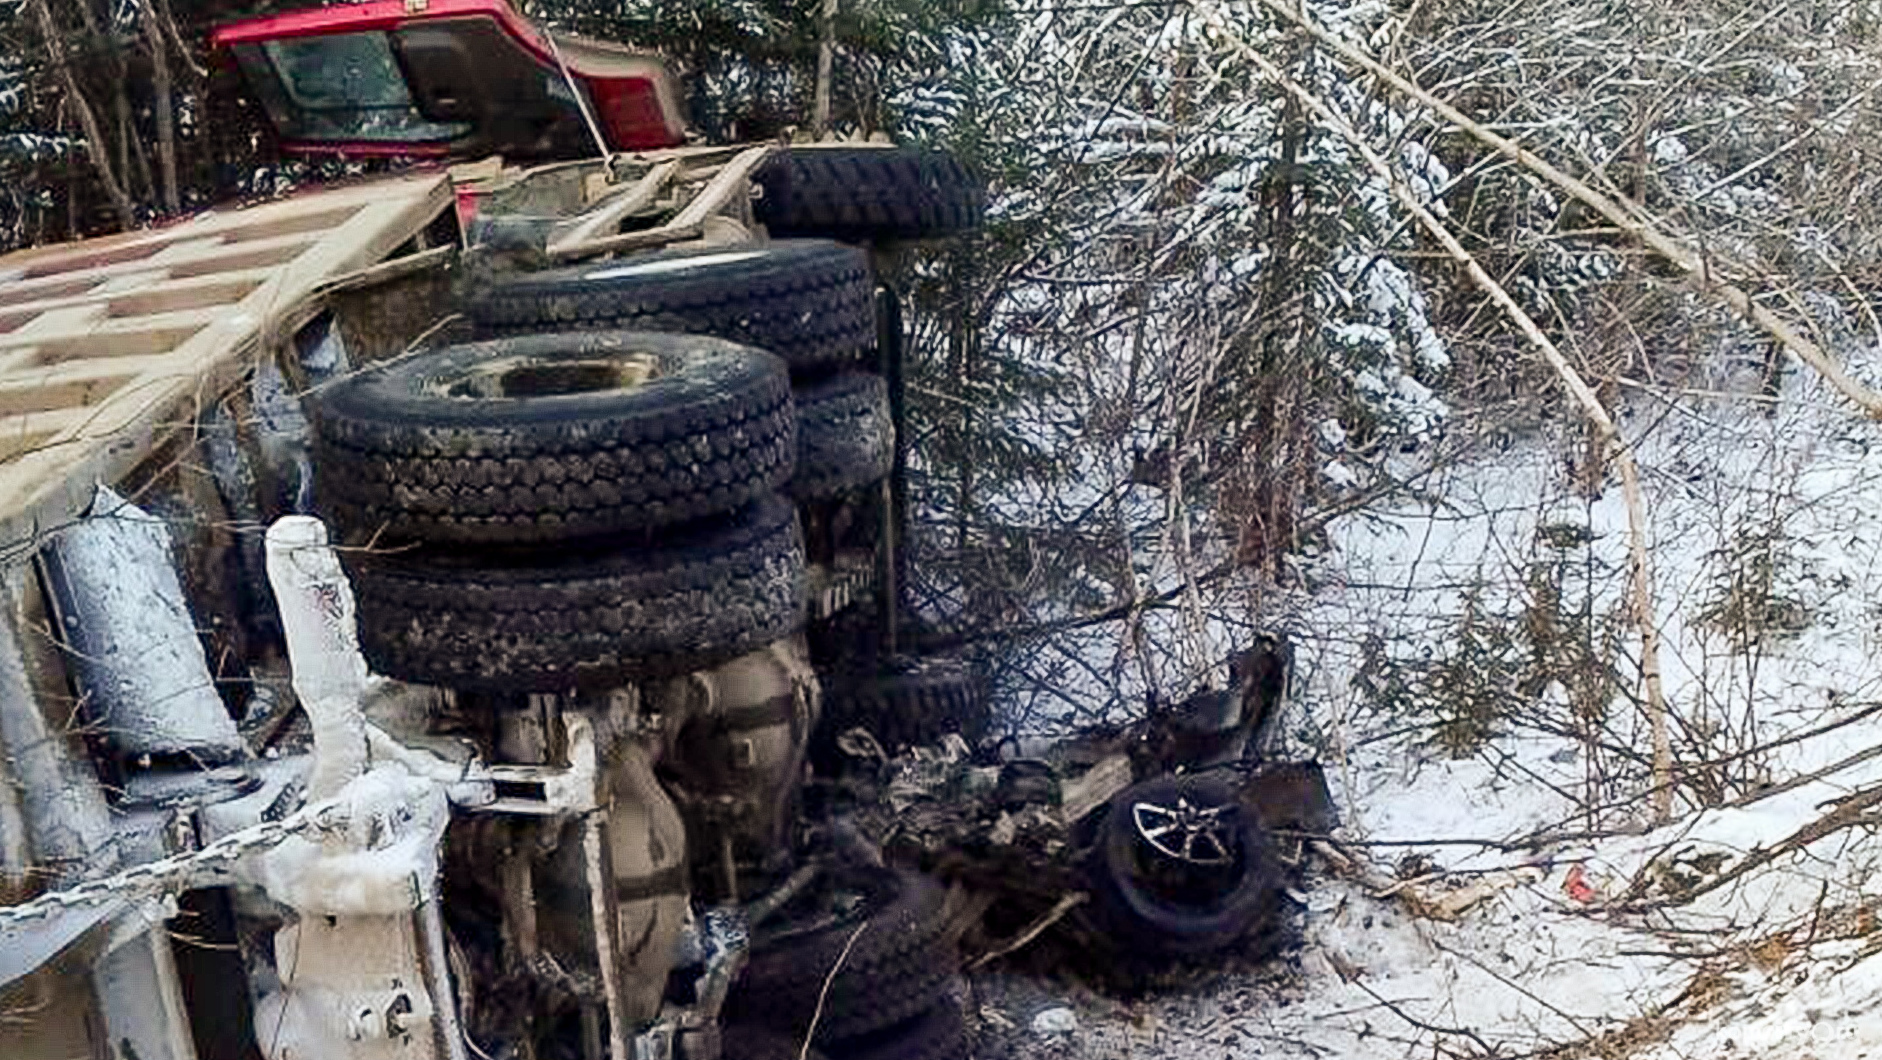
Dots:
{"x": 1197, "y": 327}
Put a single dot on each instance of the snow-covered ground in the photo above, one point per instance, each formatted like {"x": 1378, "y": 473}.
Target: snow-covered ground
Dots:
{"x": 1477, "y": 614}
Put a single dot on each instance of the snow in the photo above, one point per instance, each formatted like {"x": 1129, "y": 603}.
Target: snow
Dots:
{"x": 1332, "y": 434}
{"x": 1646, "y": 934}
{"x": 382, "y": 859}
{"x": 1468, "y": 661}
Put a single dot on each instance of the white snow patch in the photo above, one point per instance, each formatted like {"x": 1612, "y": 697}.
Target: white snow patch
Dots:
{"x": 1611, "y": 926}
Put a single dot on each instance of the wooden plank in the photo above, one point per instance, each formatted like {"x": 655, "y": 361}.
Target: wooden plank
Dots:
{"x": 244, "y": 224}
{"x": 118, "y": 284}
{"x": 186, "y": 250}
{"x": 718, "y": 192}
{"x": 96, "y": 335}
{"x": 74, "y": 383}
{"x": 606, "y": 218}
{"x": 202, "y": 261}
{"x": 302, "y": 223}
{"x": 145, "y": 293}
{"x": 34, "y": 430}
{"x": 16, "y": 292}
{"x": 13, "y": 264}
{"x": 260, "y": 254}
{"x": 196, "y": 292}
{"x": 64, "y": 320}
{"x": 166, "y": 365}
{"x": 1094, "y": 787}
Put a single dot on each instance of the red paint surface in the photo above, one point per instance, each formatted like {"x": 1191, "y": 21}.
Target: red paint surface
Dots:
{"x": 627, "y": 108}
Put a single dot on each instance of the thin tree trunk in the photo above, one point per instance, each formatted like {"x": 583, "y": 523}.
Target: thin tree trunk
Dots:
{"x": 130, "y": 148}
{"x": 1269, "y": 532}
{"x": 95, "y": 143}
{"x": 185, "y": 51}
{"x": 165, "y": 108}
{"x": 133, "y": 146}
{"x": 826, "y": 61}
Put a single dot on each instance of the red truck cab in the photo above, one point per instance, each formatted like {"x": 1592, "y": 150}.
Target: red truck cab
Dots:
{"x": 447, "y": 78}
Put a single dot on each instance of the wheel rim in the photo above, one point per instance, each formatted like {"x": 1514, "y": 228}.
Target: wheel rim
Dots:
{"x": 1192, "y": 835}
{"x": 661, "y": 266}
{"x": 535, "y": 377}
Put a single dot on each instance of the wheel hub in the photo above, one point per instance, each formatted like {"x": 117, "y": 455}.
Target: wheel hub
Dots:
{"x": 1194, "y": 835}
{"x": 527, "y": 377}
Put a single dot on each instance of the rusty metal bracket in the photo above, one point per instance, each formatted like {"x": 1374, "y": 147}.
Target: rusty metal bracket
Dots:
{"x": 545, "y": 791}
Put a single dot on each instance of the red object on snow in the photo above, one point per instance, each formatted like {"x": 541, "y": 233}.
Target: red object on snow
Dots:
{"x": 447, "y": 78}
{"x": 1576, "y": 886}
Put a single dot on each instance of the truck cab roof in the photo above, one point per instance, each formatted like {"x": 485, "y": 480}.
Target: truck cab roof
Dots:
{"x": 447, "y": 78}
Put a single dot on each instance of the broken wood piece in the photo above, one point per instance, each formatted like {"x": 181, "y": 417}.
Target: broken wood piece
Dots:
{"x": 1094, "y": 787}
{"x": 1417, "y": 899}
{"x": 606, "y": 216}
{"x": 962, "y": 909}
{"x": 1064, "y": 905}
{"x": 1376, "y": 882}
{"x": 1455, "y": 903}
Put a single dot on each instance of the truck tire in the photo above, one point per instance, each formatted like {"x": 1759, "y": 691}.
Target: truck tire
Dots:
{"x": 552, "y": 622}
{"x": 811, "y": 302}
{"x": 894, "y": 968}
{"x": 1193, "y": 888}
{"x": 910, "y": 702}
{"x": 868, "y": 193}
{"x": 937, "y": 1034}
{"x": 742, "y": 1042}
{"x": 553, "y": 437}
{"x": 845, "y": 435}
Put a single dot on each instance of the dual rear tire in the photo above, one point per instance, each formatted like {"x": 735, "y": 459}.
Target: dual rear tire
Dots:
{"x": 547, "y": 511}
{"x": 551, "y": 512}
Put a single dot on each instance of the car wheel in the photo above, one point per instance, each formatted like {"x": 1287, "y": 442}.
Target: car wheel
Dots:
{"x": 1180, "y": 869}
{"x": 909, "y": 702}
{"x": 744, "y": 1042}
{"x": 940, "y": 1033}
{"x": 880, "y": 929}
{"x": 845, "y": 435}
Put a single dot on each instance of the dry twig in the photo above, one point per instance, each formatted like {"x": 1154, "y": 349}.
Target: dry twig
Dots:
{"x": 823, "y": 995}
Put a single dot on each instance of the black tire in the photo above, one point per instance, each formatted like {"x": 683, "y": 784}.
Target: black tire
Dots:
{"x": 868, "y": 193}
{"x": 910, "y": 702}
{"x": 400, "y": 456}
{"x": 745, "y": 1042}
{"x": 845, "y": 435}
{"x": 894, "y": 969}
{"x": 811, "y": 302}
{"x": 1151, "y": 903}
{"x": 937, "y": 1034}
{"x": 550, "y": 622}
